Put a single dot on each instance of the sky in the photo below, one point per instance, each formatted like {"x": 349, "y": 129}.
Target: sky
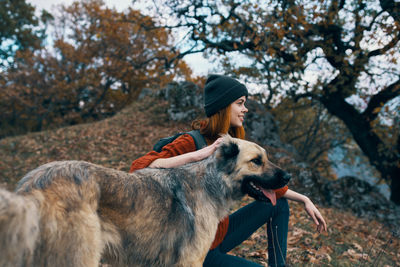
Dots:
{"x": 198, "y": 64}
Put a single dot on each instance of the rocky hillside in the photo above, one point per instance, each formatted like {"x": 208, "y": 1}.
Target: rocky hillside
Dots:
{"x": 362, "y": 224}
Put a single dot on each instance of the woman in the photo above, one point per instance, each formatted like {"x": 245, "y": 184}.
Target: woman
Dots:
{"x": 225, "y": 108}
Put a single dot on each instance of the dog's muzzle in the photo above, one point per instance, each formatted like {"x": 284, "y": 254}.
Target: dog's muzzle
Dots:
{"x": 262, "y": 187}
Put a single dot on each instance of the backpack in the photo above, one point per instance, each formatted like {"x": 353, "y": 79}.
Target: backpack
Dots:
{"x": 199, "y": 140}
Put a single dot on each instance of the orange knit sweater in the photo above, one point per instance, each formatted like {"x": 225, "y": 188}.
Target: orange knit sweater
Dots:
{"x": 182, "y": 145}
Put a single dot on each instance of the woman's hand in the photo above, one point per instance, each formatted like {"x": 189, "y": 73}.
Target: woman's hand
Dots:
{"x": 208, "y": 150}
{"x": 187, "y": 157}
{"x": 315, "y": 215}
{"x": 309, "y": 207}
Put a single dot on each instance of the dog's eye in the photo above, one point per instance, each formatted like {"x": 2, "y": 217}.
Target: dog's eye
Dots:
{"x": 257, "y": 161}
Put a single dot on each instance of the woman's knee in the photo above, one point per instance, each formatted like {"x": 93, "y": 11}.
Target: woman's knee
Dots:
{"x": 282, "y": 206}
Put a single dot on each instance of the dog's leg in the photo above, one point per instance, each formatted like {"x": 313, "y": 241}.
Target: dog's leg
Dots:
{"x": 73, "y": 239}
{"x": 88, "y": 236}
{"x": 198, "y": 263}
{"x": 195, "y": 259}
{"x": 70, "y": 226}
{"x": 19, "y": 229}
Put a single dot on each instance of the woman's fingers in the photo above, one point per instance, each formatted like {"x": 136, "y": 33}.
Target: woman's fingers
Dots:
{"x": 321, "y": 225}
{"x": 218, "y": 141}
{"x": 316, "y": 217}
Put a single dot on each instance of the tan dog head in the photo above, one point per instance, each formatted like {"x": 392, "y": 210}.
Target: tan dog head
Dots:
{"x": 248, "y": 171}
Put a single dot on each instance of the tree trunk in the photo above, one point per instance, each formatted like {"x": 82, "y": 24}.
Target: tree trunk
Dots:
{"x": 379, "y": 155}
{"x": 395, "y": 186}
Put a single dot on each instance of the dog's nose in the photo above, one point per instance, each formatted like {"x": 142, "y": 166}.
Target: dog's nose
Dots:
{"x": 283, "y": 176}
{"x": 286, "y": 177}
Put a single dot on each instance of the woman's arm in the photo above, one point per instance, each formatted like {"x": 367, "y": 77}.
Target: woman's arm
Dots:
{"x": 180, "y": 160}
{"x": 309, "y": 207}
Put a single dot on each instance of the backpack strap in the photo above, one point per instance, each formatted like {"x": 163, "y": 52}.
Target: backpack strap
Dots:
{"x": 198, "y": 138}
{"x": 165, "y": 141}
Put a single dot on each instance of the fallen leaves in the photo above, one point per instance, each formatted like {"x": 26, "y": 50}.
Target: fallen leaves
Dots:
{"x": 349, "y": 241}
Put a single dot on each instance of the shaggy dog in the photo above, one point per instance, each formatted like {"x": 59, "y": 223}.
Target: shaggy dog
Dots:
{"x": 74, "y": 213}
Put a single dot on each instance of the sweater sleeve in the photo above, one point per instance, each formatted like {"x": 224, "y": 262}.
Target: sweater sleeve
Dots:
{"x": 281, "y": 191}
{"x": 181, "y": 145}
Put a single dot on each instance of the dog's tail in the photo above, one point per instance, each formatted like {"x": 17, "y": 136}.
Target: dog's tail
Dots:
{"x": 19, "y": 229}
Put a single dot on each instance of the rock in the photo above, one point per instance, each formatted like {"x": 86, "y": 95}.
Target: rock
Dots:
{"x": 260, "y": 125}
{"x": 362, "y": 198}
{"x": 145, "y": 92}
{"x": 185, "y": 99}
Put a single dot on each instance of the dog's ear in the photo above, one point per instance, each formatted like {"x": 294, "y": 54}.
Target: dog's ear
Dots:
{"x": 227, "y": 155}
{"x": 229, "y": 150}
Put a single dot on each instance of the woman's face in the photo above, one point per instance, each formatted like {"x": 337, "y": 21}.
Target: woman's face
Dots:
{"x": 238, "y": 110}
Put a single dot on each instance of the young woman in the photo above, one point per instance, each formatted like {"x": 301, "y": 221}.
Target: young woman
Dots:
{"x": 225, "y": 108}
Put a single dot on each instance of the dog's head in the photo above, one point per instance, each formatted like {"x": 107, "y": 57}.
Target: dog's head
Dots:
{"x": 247, "y": 169}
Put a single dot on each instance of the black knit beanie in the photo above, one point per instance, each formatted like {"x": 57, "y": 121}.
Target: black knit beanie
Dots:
{"x": 220, "y": 91}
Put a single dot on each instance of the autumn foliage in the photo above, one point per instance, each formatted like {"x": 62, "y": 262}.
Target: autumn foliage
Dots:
{"x": 19, "y": 29}
{"x": 99, "y": 62}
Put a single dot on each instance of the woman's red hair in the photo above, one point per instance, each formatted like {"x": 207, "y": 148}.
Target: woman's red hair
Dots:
{"x": 218, "y": 124}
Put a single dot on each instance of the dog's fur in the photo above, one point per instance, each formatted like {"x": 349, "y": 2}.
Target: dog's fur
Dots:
{"x": 73, "y": 213}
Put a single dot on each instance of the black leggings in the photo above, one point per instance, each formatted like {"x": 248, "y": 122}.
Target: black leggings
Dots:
{"x": 245, "y": 222}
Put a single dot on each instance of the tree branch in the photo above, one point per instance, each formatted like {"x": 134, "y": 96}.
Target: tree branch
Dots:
{"x": 386, "y": 48}
{"x": 392, "y": 7}
{"x": 378, "y": 100}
